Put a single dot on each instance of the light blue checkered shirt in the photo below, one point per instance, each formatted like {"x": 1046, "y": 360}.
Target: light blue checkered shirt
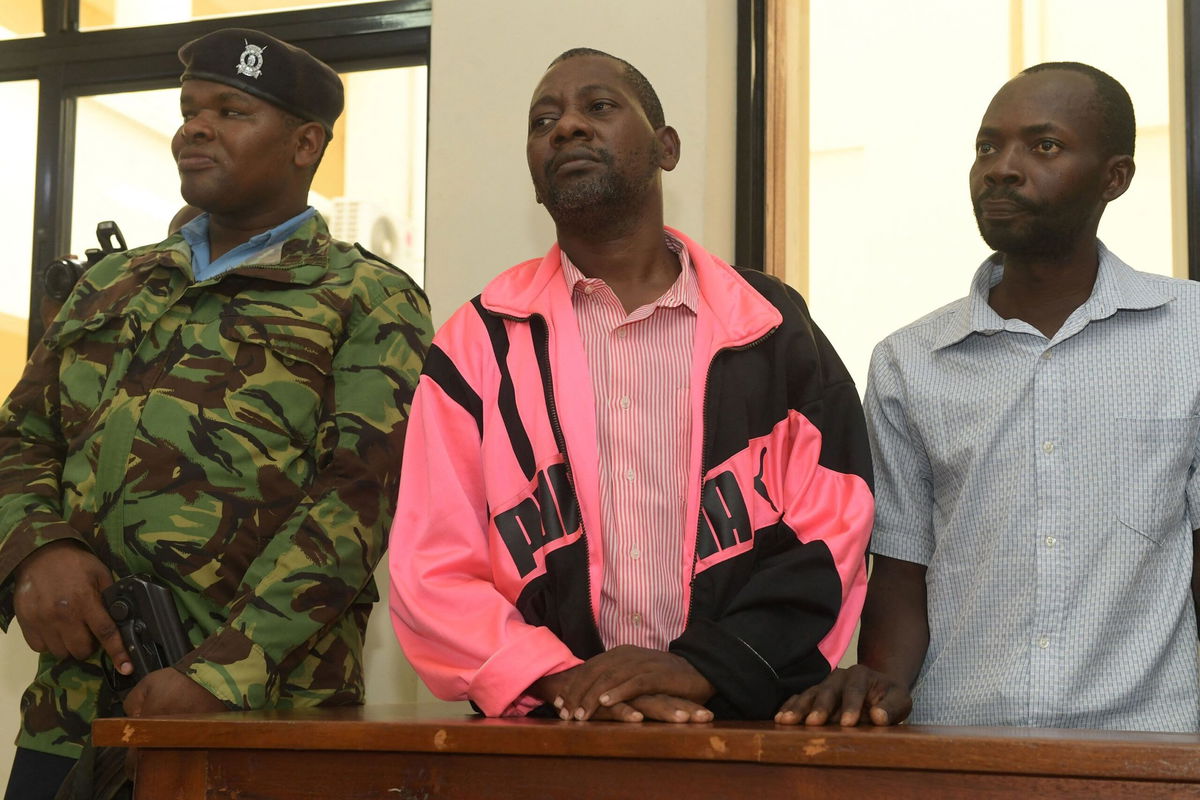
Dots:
{"x": 1051, "y": 487}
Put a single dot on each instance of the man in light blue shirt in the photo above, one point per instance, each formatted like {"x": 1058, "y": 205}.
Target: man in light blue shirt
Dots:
{"x": 1036, "y": 448}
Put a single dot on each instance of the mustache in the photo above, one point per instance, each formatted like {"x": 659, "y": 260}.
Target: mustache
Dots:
{"x": 601, "y": 155}
{"x": 1006, "y": 194}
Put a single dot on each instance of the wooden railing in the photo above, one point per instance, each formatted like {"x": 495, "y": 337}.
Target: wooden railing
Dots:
{"x": 401, "y": 752}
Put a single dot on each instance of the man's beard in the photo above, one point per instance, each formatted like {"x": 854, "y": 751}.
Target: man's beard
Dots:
{"x": 1037, "y": 233}
{"x": 605, "y": 201}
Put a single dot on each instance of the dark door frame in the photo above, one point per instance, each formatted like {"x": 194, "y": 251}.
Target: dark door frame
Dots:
{"x": 1191, "y": 82}
{"x": 750, "y": 202}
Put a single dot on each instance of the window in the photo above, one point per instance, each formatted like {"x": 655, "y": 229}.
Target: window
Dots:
{"x": 370, "y": 186}
{"x": 100, "y": 152}
{"x": 20, "y": 18}
{"x": 884, "y": 123}
{"x": 16, "y": 175}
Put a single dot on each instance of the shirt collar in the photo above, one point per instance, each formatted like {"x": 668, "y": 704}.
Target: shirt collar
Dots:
{"x": 1118, "y": 287}
{"x": 683, "y": 292}
{"x": 195, "y": 233}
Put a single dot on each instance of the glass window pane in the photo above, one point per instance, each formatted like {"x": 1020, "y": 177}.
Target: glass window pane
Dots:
{"x": 16, "y": 209}
{"x": 382, "y": 201}
{"x": 20, "y": 18}
{"x": 132, "y": 13}
{"x": 123, "y": 166}
{"x": 370, "y": 186}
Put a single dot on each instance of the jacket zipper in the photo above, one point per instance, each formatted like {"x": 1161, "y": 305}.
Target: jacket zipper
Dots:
{"x": 703, "y": 455}
{"x": 561, "y": 441}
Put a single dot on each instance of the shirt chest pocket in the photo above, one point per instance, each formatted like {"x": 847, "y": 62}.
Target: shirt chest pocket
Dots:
{"x": 279, "y": 373}
{"x": 1150, "y": 462}
{"x": 91, "y": 350}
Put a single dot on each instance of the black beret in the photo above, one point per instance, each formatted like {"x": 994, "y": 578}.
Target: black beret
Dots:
{"x": 265, "y": 67}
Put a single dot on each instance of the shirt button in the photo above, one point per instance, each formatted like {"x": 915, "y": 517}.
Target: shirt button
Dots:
{"x": 635, "y": 619}
{"x": 1043, "y": 642}
{"x": 588, "y": 288}
{"x": 1046, "y": 356}
{"x": 622, "y": 333}
{"x": 635, "y": 554}
{"x": 1048, "y": 446}
{"x": 629, "y": 474}
{"x": 1051, "y": 541}
{"x": 624, "y": 401}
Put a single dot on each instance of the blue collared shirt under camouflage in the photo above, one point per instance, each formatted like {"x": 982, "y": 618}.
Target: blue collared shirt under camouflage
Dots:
{"x": 239, "y": 440}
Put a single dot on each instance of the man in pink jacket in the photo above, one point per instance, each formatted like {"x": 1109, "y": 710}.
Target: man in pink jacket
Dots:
{"x": 636, "y": 482}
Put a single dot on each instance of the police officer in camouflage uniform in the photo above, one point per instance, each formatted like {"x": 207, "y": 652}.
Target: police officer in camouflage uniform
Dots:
{"x": 224, "y": 412}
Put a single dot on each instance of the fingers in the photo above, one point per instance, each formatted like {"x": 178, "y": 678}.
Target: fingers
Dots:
{"x": 854, "y": 695}
{"x": 619, "y": 712}
{"x": 52, "y": 625}
{"x": 568, "y": 702}
{"x": 798, "y": 708}
{"x": 656, "y": 708}
{"x": 665, "y": 708}
{"x": 847, "y": 697}
{"x": 104, "y": 630}
{"x": 135, "y": 700}
{"x": 816, "y": 705}
{"x": 70, "y": 619}
{"x": 581, "y": 696}
{"x": 891, "y": 705}
{"x": 57, "y": 603}
{"x": 627, "y": 672}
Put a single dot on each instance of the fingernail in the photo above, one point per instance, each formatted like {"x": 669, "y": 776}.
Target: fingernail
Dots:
{"x": 558, "y": 702}
{"x": 847, "y": 720}
{"x": 681, "y": 715}
{"x": 603, "y": 699}
{"x": 579, "y": 714}
{"x": 564, "y": 715}
{"x": 636, "y": 716}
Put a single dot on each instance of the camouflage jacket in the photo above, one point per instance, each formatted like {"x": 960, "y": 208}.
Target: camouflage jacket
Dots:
{"x": 237, "y": 439}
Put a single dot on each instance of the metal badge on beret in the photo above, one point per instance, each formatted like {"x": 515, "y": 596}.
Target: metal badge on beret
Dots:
{"x": 261, "y": 65}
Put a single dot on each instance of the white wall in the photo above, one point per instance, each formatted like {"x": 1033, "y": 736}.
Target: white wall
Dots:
{"x": 486, "y": 60}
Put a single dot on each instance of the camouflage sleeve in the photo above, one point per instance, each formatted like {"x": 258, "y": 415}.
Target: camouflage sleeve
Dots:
{"x": 323, "y": 555}
{"x": 31, "y": 458}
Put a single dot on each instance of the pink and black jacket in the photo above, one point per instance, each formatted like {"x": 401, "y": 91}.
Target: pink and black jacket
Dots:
{"x": 495, "y": 556}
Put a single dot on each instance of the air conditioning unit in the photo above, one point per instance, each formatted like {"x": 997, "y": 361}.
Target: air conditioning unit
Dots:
{"x": 382, "y": 233}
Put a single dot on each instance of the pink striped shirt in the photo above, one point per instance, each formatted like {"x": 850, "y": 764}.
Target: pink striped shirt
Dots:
{"x": 639, "y": 364}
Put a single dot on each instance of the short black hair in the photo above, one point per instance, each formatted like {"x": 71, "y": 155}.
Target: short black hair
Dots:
{"x": 637, "y": 81}
{"x": 1118, "y": 128}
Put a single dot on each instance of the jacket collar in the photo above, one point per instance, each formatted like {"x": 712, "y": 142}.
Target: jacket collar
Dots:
{"x": 738, "y": 313}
